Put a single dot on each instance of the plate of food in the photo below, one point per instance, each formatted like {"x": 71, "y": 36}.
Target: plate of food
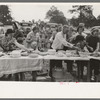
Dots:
{"x": 62, "y": 51}
{"x": 51, "y": 52}
{"x": 60, "y": 54}
{"x": 33, "y": 55}
{"x": 15, "y": 54}
{"x": 24, "y": 54}
{"x": 43, "y": 53}
{"x": 95, "y": 54}
{"x": 1, "y": 54}
{"x": 84, "y": 54}
{"x": 36, "y": 52}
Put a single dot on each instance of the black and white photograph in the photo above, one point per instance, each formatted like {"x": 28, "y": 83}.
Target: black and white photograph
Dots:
{"x": 49, "y": 42}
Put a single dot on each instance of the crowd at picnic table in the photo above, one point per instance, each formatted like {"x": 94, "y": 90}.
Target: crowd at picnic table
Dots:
{"x": 57, "y": 37}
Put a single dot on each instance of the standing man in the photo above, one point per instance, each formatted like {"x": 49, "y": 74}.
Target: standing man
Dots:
{"x": 60, "y": 43}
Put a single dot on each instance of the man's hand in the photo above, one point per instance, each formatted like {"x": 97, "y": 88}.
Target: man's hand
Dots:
{"x": 76, "y": 48}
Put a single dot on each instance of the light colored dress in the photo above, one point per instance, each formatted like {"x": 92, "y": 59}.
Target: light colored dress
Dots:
{"x": 31, "y": 40}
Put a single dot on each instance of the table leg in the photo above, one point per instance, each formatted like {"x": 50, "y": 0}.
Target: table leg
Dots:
{"x": 21, "y": 76}
{"x": 88, "y": 72}
{"x": 16, "y": 76}
{"x": 34, "y": 74}
{"x": 79, "y": 65}
{"x": 52, "y": 64}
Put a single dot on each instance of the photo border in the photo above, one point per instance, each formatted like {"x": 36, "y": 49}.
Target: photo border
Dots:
{"x": 51, "y": 1}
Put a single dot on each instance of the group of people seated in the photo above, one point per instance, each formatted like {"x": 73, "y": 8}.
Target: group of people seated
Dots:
{"x": 61, "y": 37}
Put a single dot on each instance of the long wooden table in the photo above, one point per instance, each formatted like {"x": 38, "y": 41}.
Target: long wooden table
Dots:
{"x": 79, "y": 60}
{"x": 10, "y": 65}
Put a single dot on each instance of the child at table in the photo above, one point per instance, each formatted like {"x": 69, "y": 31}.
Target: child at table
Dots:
{"x": 81, "y": 43}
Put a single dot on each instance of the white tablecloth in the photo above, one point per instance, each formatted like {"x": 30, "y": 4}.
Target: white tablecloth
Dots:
{"x": 10, "y": 65}
{"x": 54, "y": 57}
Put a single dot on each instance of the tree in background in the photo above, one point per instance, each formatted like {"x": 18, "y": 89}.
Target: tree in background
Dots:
{"x": 85, "y": 14}
{"x": 5, "y": 14}
{"x": 56, "y": 16}
{"x": 74, "y": 21}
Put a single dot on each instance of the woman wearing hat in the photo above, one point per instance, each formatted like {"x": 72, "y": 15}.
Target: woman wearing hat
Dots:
{"x": 8, "y": 43}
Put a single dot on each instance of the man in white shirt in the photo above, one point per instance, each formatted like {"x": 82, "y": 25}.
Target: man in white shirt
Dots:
{"x": 60, "y": 40}
{"x": 59, "y": 43}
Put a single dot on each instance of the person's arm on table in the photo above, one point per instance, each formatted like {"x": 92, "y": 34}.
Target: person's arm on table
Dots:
{"x": 64, "y": 42}
{"x": 21, "y": 46}
{"x": 67, "y": 44}
{"x": 88, "y": 47}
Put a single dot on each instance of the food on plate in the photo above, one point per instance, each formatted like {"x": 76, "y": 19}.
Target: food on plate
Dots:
{"x": 43, "y": 53}
{"x": 62, "y": 51}
{"x": 51, "y": 52}
{"x": 84, "y": 54}
{"x": 36, "y": 52}
{"x": 33, "y": 55}
{"x": 15, "y": 54}
{"x": 95, "y": 54}
{"x": 72, "y": 53}
{"x": 1, "y": 53}
{"x": 60, "y": 54}
{"x": 24, "y": 54}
